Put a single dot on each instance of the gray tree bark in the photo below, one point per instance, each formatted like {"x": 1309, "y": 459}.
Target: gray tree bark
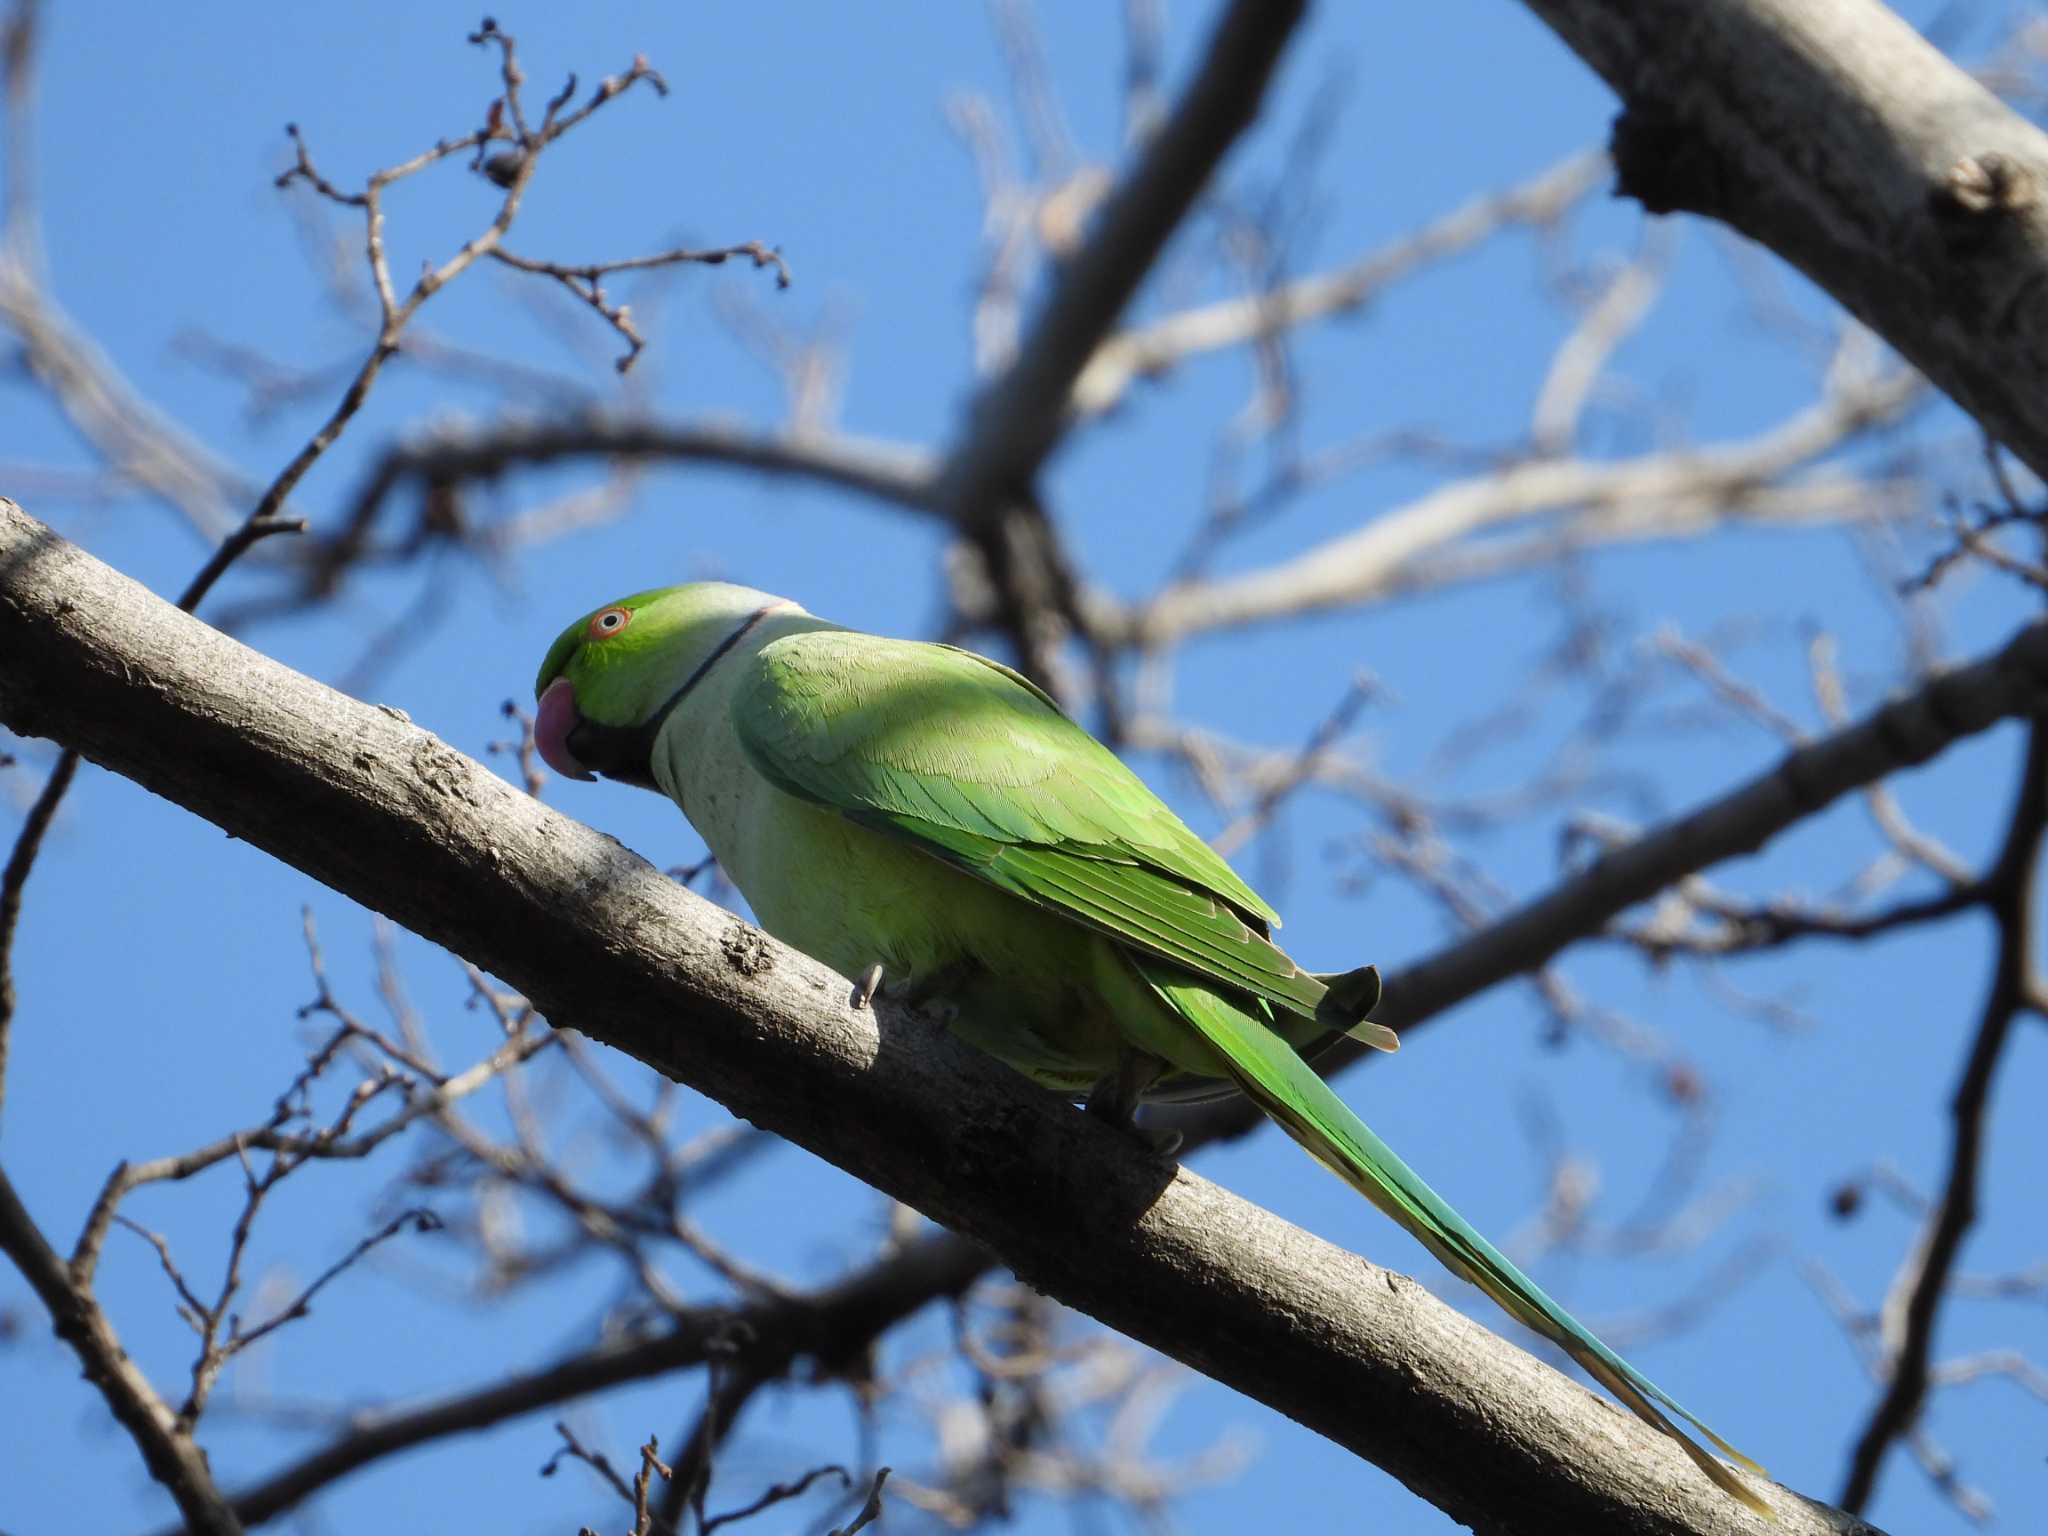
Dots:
{"x": 1832, "y": 133}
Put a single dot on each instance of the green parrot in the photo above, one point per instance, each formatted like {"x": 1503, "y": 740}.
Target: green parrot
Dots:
{"x": 917, "y": 815}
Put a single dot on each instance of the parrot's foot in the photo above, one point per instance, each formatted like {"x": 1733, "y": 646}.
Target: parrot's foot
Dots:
{"x": 931, "y": 987}
{"x": 1155, "y": 1139}
{"x": 1116, "y": 1097}
{"x": 1160, "y": 1139}
{"x": 865, "y": 989}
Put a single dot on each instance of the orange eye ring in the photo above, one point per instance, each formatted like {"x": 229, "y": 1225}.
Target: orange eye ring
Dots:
{"x": 608, "y": 622}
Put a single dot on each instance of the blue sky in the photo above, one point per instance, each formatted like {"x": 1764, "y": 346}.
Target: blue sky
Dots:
{"x": 160, "y": 967}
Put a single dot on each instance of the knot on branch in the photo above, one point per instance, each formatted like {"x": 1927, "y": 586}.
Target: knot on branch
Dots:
{"x": 1664, "y": 163}
{"x": 1978, "y": 186}
{"x": 1979, "y": 203}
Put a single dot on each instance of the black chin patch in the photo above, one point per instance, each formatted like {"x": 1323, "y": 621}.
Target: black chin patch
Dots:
{"x": 621, "y": 752}
{"x": 626, "y": 752}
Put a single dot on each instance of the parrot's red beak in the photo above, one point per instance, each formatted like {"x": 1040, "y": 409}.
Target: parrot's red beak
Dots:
{"x": 551, "y": 726}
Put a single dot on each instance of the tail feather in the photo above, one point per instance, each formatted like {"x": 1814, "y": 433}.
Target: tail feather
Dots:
{"x": 1348, "y": 1000}
{"x": 1305, "y": 1107}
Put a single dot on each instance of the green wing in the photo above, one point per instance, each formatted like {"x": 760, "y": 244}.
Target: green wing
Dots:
{"x": 970, "y": 762}
{"x": 1289, "y": 1091}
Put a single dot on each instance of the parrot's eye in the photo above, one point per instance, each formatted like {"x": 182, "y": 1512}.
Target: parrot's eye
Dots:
{"x": 610, "y": 622}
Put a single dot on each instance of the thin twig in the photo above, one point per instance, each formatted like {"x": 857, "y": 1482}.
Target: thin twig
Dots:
{"x": 575, "y": 1450}
{"x": 171, "y": 1455}
{"x": 1302, "y": 771}
{"x": 2013, "y": 900}
{"x": 20, "y": 860}
{"x": 777, "y": 1493}
{"x": 871, "y": 1511}
{"x": 586, "y": 282}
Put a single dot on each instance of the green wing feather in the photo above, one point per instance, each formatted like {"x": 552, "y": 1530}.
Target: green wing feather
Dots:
{"x": 969, "y": 761}
{"x": 1289, "y": 1091}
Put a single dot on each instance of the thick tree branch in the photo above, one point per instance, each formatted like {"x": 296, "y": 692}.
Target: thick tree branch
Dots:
{"x": 988, "y": 484}
{"x": 1016, "y": 421}
{"x": 363, "y": 800}
{"x": 1834, "y": 134}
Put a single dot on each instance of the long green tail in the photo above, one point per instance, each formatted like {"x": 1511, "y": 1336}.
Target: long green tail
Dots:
{"x": 1305, "y": 1107}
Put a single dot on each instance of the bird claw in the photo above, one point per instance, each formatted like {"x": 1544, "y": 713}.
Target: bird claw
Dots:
{"x": 1116, "y": 1098}
{"x": 1163, "y": 1140}
{"x": 865, "y": 989}
{"x": 1158, "y": 1140}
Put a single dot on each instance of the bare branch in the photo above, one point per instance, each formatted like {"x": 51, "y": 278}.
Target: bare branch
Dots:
{"x": 887, "y": 472}
{"x": 1153, "y": 348}
{"x": 1834, "y": 134}
{"x": 142, "y": 445}
{"x": 1905, "y": 732}
{"x": 1682, "y": 490}
{"x": 13, "y": 878}
{"x": 2013, "y": 898}
{"x": 575, "y": 1450}
{"x": 586, "y": 282}
{"x": 831, "y": 1323}
{"x": 1912, "y": 844}
{"x": 1908, "y": 731}
{"x": 418, "y": 1219}
{"x": 331, "y": 1142}
{"x": 598, "y": 940}
{"x": 1741, "y": 698}
{"x": 1739, "y": 928}
{"x": 1017, "y": 419}
{"x": 870, "y": 1511}
{"x": 778, "y": 1494}
{"x": 513, "y": 177}
{"x": 1301, "y": 771}
{"x": 167, "y": 1450}
{"x": 1582, "y": 357}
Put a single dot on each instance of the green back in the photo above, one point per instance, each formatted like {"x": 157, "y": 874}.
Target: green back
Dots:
{"x": 969, "y": 761}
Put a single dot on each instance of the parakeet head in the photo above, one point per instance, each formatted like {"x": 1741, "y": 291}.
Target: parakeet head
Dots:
{"x": 611, "y": 678}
